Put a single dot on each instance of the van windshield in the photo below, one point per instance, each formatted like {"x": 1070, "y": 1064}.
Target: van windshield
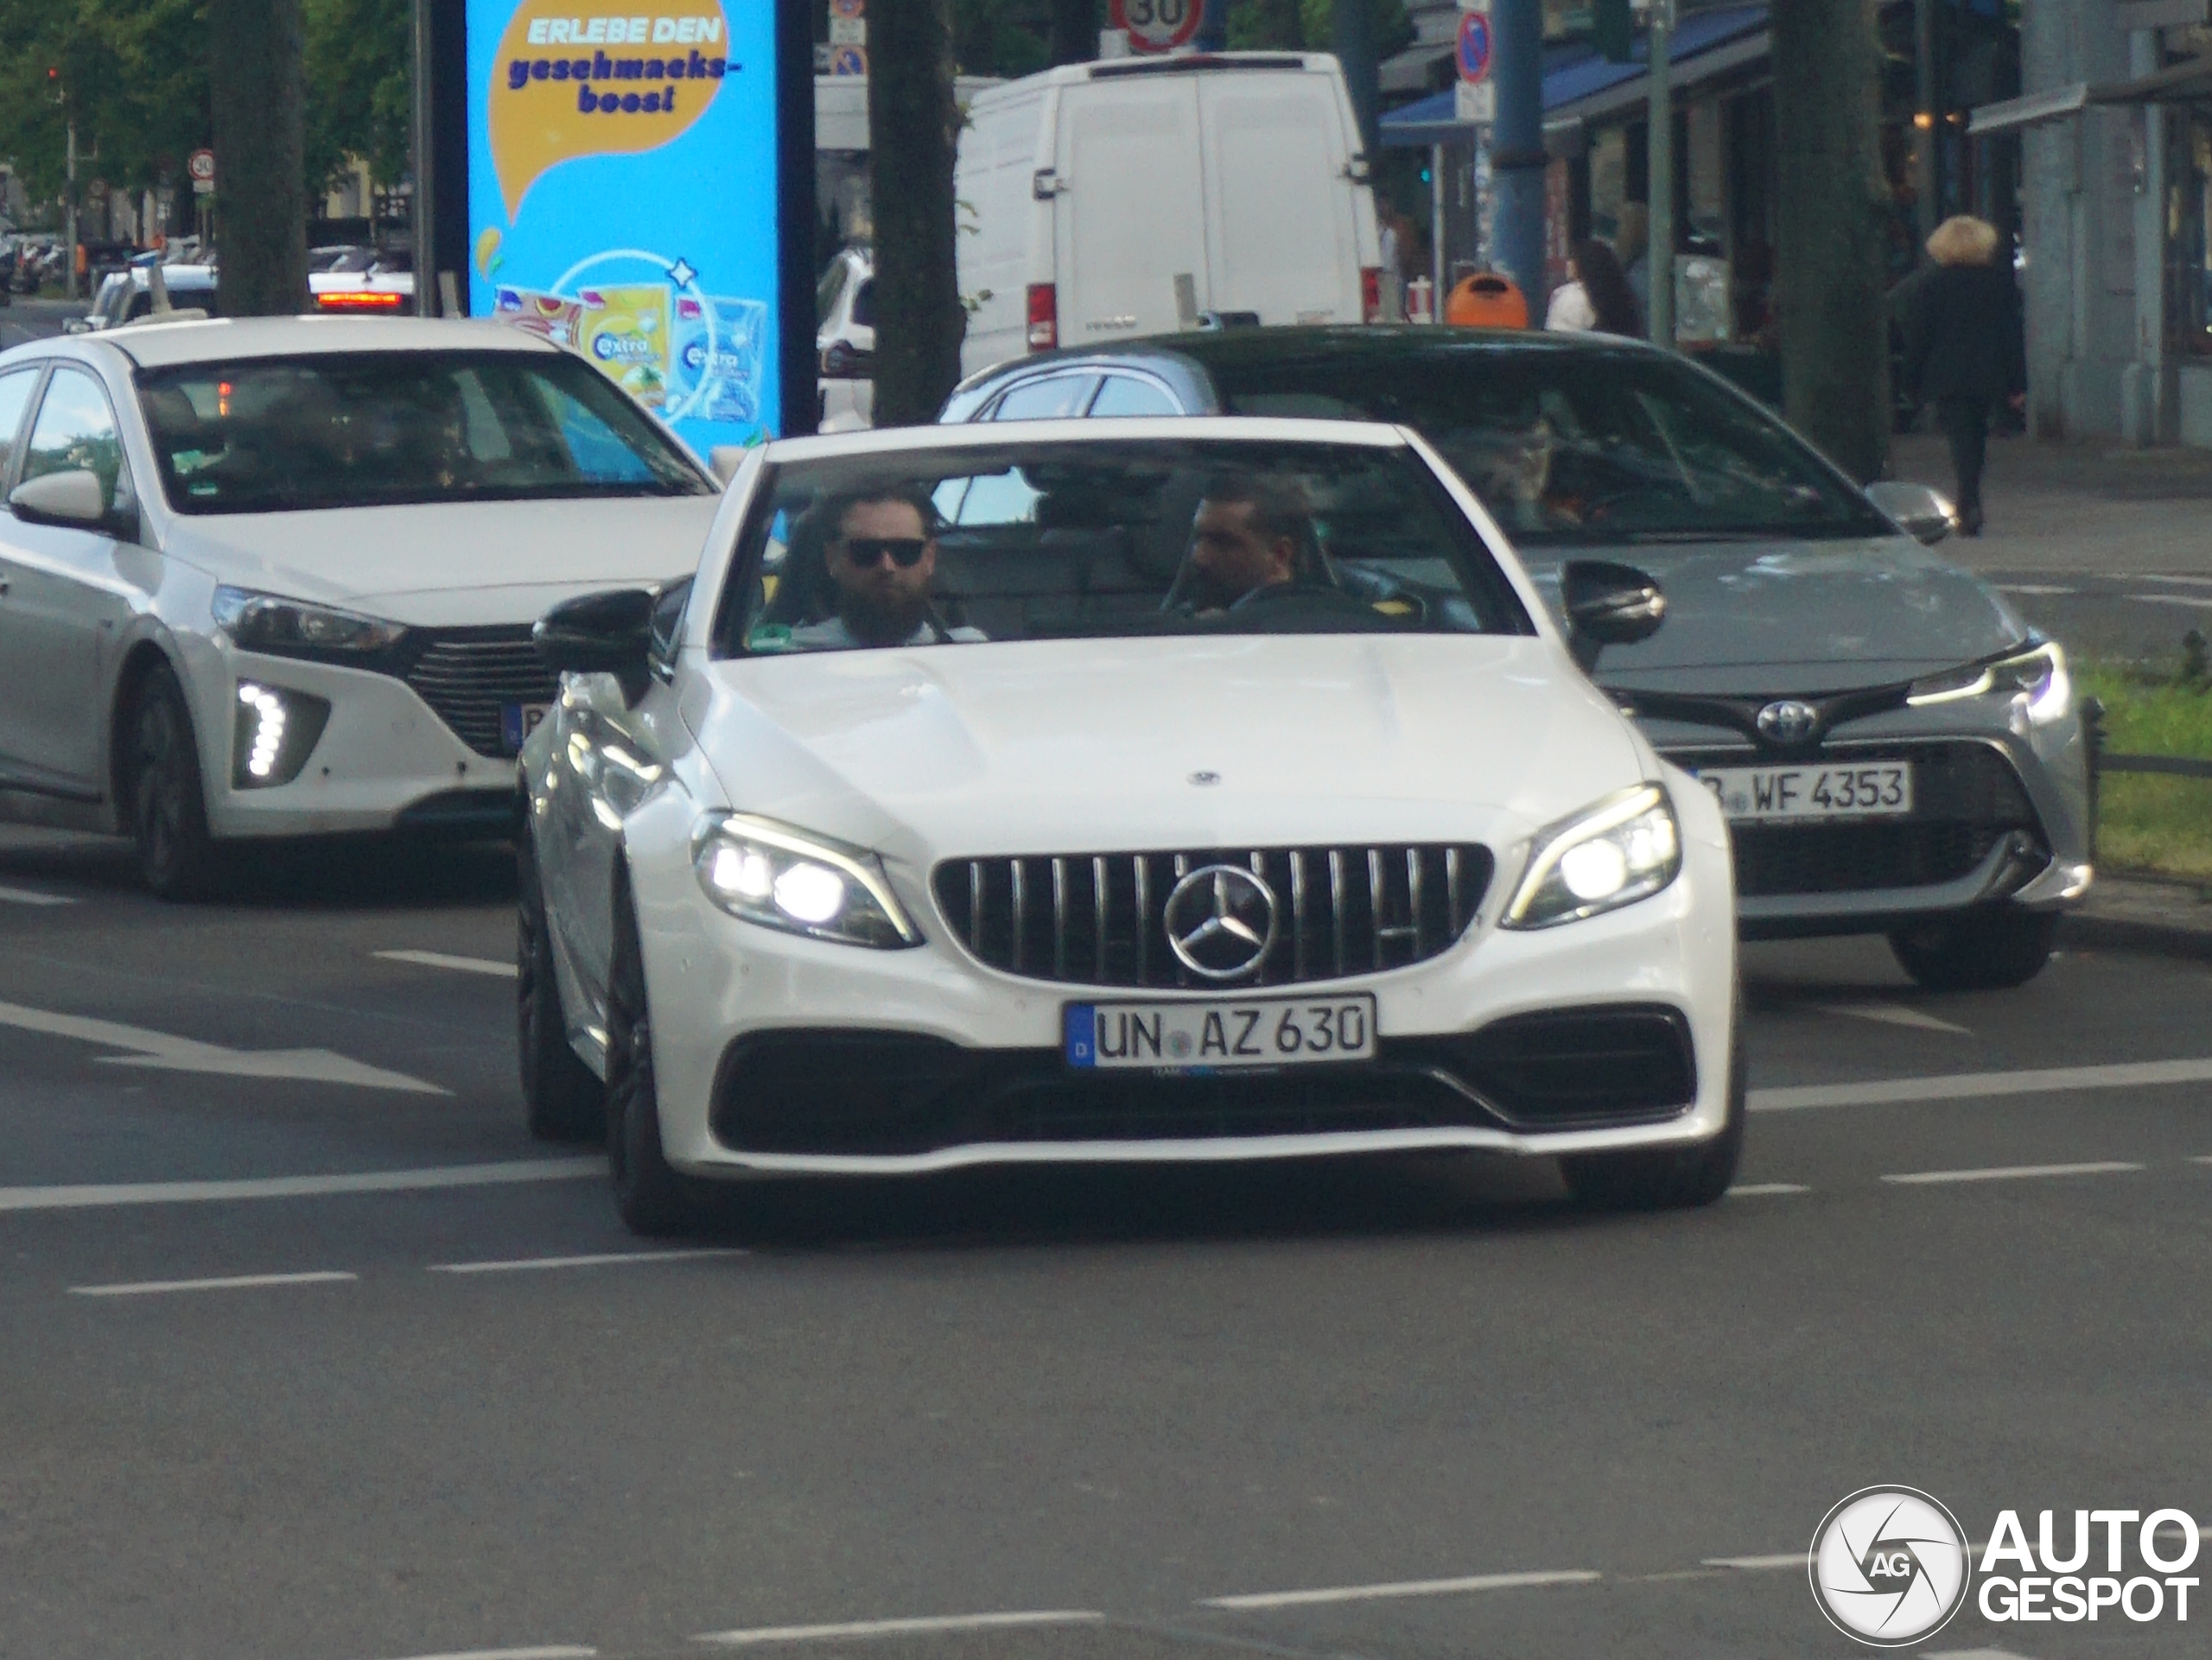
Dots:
{"x": 379, "y": 428}
{"x": 1578, "y": 446}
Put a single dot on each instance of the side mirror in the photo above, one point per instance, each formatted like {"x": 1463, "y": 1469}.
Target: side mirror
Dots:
{"x": 843, "y": 360}
{"x": 1924, "y": 514}
{"x": 72, "y": 500}
{"x": 1606, "y": 605}
{"x": 609, "y": 632}
{"x": 76, "y": 326}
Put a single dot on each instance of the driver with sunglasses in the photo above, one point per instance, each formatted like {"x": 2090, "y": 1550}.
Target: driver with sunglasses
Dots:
{"x": 879, "y": 556}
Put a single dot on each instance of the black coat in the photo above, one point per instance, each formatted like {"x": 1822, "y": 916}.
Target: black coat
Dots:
{"x": 1965, "y": 340}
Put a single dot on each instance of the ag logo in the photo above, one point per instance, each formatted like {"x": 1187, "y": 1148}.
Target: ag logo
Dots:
{"x": 1889, "y": 1566}
{"x": 1788, "y": 722}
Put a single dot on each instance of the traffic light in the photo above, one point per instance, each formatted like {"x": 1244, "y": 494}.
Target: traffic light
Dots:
{"x": 1612, "y": 29}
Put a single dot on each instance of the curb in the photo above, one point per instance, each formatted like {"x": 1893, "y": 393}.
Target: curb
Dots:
{"x": 2136, "y": 914}
{"x": 2131, "y": 934}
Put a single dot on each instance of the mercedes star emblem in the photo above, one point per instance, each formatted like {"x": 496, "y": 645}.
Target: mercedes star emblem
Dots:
{"x": 1221, "y": 922}
{"x": 1788, "y": 722}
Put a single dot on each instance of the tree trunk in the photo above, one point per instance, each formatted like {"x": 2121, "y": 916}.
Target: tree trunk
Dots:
{"x": 913, "y": 125}
{"x": 258, "y": 85}
{"x": 1833, "y": 205}
{"x": 1074, "y": 37}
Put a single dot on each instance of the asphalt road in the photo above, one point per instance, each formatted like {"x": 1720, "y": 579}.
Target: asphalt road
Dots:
{"x": 447, "y": 1405}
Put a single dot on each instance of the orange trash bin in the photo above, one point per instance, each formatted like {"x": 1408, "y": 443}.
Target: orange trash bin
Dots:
{"x": 1486, "y": 300}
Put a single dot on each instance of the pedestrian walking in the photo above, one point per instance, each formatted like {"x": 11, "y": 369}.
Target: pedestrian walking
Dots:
{"x": 1597, "y": 295}
{"x": 1964, "y": 351}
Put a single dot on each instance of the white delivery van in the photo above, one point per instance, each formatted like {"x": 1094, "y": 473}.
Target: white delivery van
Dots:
{"x": 1087, "y": 191}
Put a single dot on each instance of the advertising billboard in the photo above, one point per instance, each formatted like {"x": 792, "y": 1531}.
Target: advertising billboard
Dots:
{"x": 625, "y": 200}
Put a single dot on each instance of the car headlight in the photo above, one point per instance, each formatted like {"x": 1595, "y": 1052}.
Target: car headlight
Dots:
{"x": 265, "y": 622}
{"x": 776, "y": 876}
{"x": 1622, "y": 850}
{"x": 2039, "y": 675}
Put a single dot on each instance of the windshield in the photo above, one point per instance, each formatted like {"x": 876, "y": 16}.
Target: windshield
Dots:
{"x": 963, "y": 545}
{"x": 377, "y": 429}
{"x": 1583, "y": 447}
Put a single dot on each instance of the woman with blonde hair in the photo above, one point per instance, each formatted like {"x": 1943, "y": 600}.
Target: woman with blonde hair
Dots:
{"x": 1964, "y": 350}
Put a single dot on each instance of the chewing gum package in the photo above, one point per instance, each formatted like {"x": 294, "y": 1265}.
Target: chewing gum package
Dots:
{"x": 718, "y": 353}
{"x": 626, "y": 331}
{"x": 550, "y": 316}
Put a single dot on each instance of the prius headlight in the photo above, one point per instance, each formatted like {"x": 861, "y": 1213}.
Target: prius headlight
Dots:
{"x": 2038, "y": 677}
{"x": 781, "y": 878}
{"x": 1613, "y": 853}
{"x": 267, "y": 622}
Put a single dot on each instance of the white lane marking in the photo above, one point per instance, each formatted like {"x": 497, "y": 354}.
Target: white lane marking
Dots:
{"x": 2186, "y": 582}
{"x": 234, "y": 1282}
{"x": 2032, "y": 587}
{"x": 522, "y": 1264}
{"x": 1974, "y": 1654}
{"x": 2011, "y": 1173}
{"x": 175, "y": 1054}
{"x": 461, "y": 964}
{"x": 1892, "y": 1015}
{"x": 2199, "y": 602}
{"x": 1962, "y": 1086}
{"x": 1404, "y": 1588}
{"x": 898, "y": 1627}
{"x": 365, "y": 1181}
{"x": 1765, "y": 1189}
{"x": 557, "y": 1651}
{"x": 1756, "y": 1564}
{"x": 32, "y": 896}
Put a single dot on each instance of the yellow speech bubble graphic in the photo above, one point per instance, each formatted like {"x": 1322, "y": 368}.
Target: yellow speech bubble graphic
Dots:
{"x": 569, "y": 83}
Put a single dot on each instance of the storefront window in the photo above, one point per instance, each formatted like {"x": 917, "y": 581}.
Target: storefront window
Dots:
{"x": 2189, "y": 256}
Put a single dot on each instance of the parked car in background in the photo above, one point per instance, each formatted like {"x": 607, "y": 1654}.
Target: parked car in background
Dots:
{"x": 1233, "y": 798}
{"x": 1114, "y": 200}
{"x": 128, "y": 296}
{"x": 1897, "y": 751}
{"x": 276, "y": 576}
{"x": 367, "y": 281}
{"x": 845, "y": 340}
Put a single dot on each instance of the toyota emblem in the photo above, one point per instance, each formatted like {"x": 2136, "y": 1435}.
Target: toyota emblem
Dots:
{"x": 1221, "y": 922}
{"x": 1789, "y": 721}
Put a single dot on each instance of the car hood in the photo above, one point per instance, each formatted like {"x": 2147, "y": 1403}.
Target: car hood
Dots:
{"x": 451, "y": 564}
{"x": 1773, "y": 618}
{"x": 1098, "y": 745}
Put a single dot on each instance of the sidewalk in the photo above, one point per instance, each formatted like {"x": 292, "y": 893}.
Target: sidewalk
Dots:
{"x": 2058, "y": 506}
{"x": 2125, "y": 914}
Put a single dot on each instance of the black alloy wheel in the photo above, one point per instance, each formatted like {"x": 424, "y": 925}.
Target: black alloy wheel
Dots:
{"x": 653, "y": 1200}
{"x": 1992, "y": 950}
{"x": 164, "y": 806}
{"x": 564, "y": 1102}
{"x": 1667, "y": 1179}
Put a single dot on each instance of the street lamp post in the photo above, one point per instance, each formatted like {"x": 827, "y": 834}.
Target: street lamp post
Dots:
{"x": 1659, "y": 185}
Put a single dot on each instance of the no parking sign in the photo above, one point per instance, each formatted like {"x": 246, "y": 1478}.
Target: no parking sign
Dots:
{"x": 1477, "y": 97}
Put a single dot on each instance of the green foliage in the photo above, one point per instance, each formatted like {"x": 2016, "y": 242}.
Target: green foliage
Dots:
{"x": 1001, "y": 37}
{"x": 2145, "y": 822}
{"x": 360, "y": 88}
{"x": 1309, "y": 26}
{"x": 135, "y": 72}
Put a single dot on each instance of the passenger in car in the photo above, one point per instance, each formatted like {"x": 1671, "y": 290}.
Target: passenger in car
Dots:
{"x": 879, "y": 551}
{"x": 1250, "y": 533}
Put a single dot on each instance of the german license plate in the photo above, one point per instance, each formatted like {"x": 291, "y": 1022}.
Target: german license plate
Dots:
{"x": 1222, "y": 1034}
{"x": 518, "y": 722}
{"x": 1765, "y": 794}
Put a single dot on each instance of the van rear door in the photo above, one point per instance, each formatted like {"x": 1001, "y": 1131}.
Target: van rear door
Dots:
{"x": 1131, "y": 211}
{"x": 1282, "y": 235}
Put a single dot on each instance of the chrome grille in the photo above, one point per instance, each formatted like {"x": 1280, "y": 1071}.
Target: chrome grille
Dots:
{"x": 1097, "y": 919}
{"x": 469, "y": 676}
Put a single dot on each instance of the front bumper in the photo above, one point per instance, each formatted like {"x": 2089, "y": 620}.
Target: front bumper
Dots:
{"x": 774, "y": 1054}
{"x": 384, "y": 760}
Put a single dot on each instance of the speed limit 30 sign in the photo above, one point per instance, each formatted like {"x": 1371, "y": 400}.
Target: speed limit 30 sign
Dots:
{"x": 1156, "y": 25}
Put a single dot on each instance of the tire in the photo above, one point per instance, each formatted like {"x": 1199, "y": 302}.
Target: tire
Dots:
{"x": 562, "y": 1101}
{"x": 1667, "y": 1179}
{"x": 163, "y": 801}
{"x": 654, "y": 1201}
{"x": 1979, "y": 951}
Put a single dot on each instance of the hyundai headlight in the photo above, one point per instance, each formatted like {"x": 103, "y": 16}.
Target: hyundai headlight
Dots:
{"x": 776, "y": 876}
{"x": 1622, "y": 850}
{"x": 282, "y": 627}
{"x": 2037, "y": 676}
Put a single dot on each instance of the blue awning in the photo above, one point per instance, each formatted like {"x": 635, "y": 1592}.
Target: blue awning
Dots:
{"x": 1574, "y": 74}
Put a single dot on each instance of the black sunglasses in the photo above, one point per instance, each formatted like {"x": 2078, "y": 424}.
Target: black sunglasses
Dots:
{"x": 906, "y": 551}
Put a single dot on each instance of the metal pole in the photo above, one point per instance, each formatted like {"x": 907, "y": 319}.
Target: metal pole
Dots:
{"x": 69, "y": 212}
{"x": 1518, "y": 156}
{"x": 420, "y": 163}
{"x": 1659, "y": 188}
{"x": 1437, "y": 267}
